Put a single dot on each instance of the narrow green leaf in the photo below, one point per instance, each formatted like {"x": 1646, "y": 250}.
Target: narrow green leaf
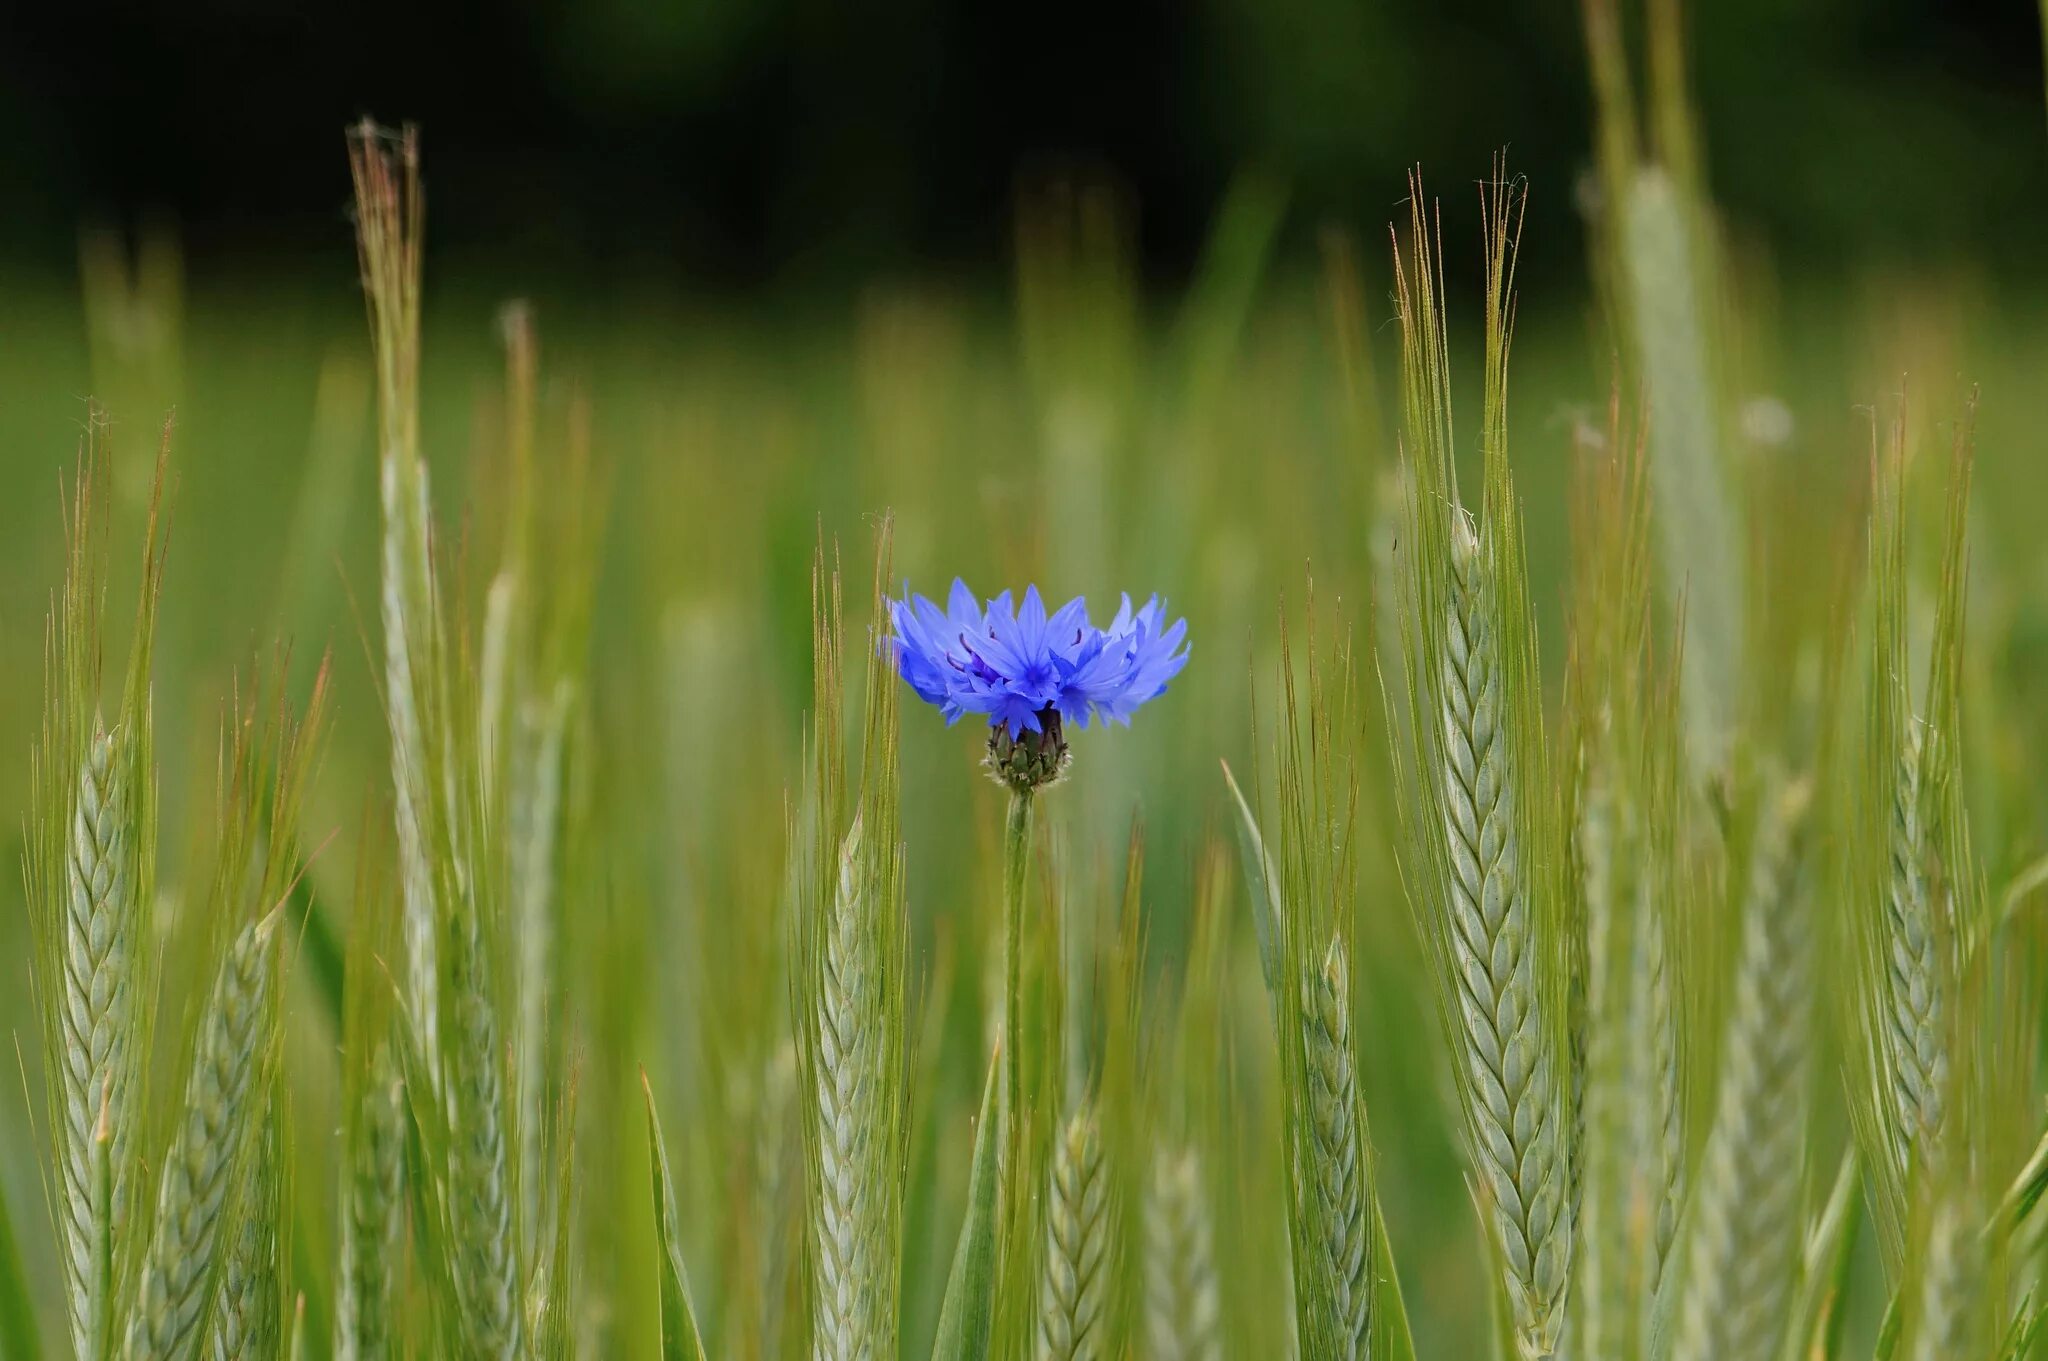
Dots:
{"x": 1816, "y": 1331}
{"x": 969, "y": 1305}
{"x": 1890, "y": 1331}
{"x": 1260, "y": 877}
{"x": 18, "y": 1337}
{"x": 1392, "y": 1340}
{"x": 680, "y": 1340}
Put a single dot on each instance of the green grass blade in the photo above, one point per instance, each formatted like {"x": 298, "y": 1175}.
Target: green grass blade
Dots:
{"x": 680, "y": 1339}
{"x": 1816, "y": 1331}
{"x": 1392, "y": 1340}
{"x": 19, "y": 1340}
{"x": 969, "y": 1306}
{"x": 1260, "y": 877}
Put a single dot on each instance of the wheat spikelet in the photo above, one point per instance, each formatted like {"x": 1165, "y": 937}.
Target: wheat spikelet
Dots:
{"x": 372, "y": 1220}
{"x": 1334, "y": 1169}
{"x": 99, "y": 953}
{"x": 1071, "y": 1326}
{"x": 1948, "y": 1274}
{"x": 1915, "y": 977}
{"x": 210, "y": 1152}
{"x": 1510, "y": 1085}
{"x": 1666, "y": 1060}
{"x": 245, "y": 1320}
{"x": 1742, "y": 1256}
{"x": 1182, "y": 1301}
{"x": 850, "y": 1315}
{"x": 480, "y": 1183}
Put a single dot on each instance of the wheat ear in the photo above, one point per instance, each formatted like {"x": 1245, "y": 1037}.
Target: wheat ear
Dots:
{"x": 98, "y": 1013}
{"x": 1948, "y": 1275}
{"x": 1071, "y": 1325}
{"x": 1510, "y": 1086}
{"x": 1915, "y": 978}
{"x": 246, "y": 1316}
{"x": 1743, "y": 1253}
{"x": 1668, "y": 1060}
{"x": 1334, "y": 1170}
{"x": 373, "y": 1222}
{"x": 481, "y": 1193}
{"x": 210, "y": 1154}
{"x": 849, "y": 1053}
{"x": 1182, "y": 1300}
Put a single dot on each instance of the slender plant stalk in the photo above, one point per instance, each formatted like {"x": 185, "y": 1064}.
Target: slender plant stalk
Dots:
{"x": 100, "y": 954}
{"x": 1183, "y": 1303}
{"x": 1071, "y": 1315}
{"x": 1016, "y": 878}
{"x": 1510, "y": 1075}
{"x": 205, "y": 1174}
{"x": 1746, "y": 1238}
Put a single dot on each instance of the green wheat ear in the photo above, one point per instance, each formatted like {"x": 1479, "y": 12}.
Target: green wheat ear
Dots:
{"x": 371, "y": 1181}
{"x": 849, "y": 1001}
{"x": 1183, "y": 1305}
{"x": 1073, "y": 1295}
{"x": 206, "y": 1173}
{"x": 90, "y": 880}
{"x": 1745, "y": 1217}
{"x": 1916, "y": 911}
{"x": 1305, "y": 888}
{"x": 1624, "y": 729}
{"x": 1483, "y": 844}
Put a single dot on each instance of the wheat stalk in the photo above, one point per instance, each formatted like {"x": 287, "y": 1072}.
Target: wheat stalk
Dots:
{"x": 99, "y": 955}
{"x": 1745, "y": 1243}
{"x": 1511, "y": 1090}
{"x": 1071, "y": 1323}
{"x": 210, "y": 1154}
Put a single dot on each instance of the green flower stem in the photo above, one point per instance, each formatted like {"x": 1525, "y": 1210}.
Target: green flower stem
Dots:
{"x": 1016, "y": 873}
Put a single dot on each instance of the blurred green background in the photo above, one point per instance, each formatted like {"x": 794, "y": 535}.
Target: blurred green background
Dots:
{"x": 1090, "y": 295}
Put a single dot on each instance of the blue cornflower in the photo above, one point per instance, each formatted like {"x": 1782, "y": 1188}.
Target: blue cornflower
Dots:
{"x": 1031, "y": 671}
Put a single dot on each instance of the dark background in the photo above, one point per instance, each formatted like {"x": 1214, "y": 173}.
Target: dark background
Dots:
{"x": 743, "y": 145}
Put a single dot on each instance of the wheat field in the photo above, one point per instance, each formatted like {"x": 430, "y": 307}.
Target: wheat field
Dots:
{"x": 1530, "y": 839}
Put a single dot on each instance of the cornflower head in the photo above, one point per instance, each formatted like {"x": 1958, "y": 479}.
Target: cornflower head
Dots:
{"x": 1032, "y": 672}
